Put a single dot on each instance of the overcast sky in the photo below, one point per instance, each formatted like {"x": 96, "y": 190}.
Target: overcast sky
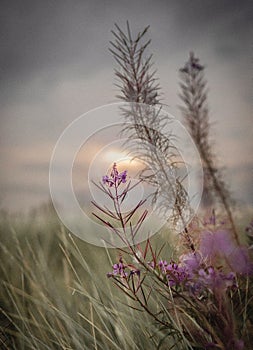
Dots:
{"x": 55, "y": 66}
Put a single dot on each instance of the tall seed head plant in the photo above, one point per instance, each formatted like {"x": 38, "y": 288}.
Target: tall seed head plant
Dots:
{"x": 138, "y": 85}
{"x": 195, "y": 111}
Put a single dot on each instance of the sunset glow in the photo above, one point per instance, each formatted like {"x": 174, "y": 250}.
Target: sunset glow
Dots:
{"x": 122, "y": 159}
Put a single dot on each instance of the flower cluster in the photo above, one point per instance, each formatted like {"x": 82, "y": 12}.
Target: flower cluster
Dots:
{"x": 191, "y": 274}
{"x": 119, "y": 270}
{"x": 213, "y": 266}
{"x": 115, "y": 178}
{"x": 216, "y": 280}
{"x": 174, "y": 273}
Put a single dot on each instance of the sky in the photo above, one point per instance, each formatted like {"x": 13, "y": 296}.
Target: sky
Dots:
{"x": 55, "y": 66}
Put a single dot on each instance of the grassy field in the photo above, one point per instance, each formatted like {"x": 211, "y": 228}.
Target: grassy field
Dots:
{"x": 55, "y": 293}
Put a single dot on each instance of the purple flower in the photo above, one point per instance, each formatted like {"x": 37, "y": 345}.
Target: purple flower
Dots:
{"x": 191, "y": 261}
{"x": 119, "y": 270}
{"x": 163, "y": 265}
{"x": 107, "y": 180}
{"x": 215, "y": 243}
{"x": 192, "y": 273}
{"x": 220, "y": 244}
{"x": 239, "y": 261}
{"x": 115, "y": 178}
{"x": 174, "y": 273}
{"x": 122, "y": 176}
{"x": 215, "y": 280}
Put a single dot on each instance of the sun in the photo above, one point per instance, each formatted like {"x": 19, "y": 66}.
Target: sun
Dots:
{"x": 122, "y": 159}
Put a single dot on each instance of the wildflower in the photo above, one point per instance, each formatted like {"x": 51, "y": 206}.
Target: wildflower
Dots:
{"x": 163, "y": 265}
{"x": 115, "y": 178}
{"x": 192, "y": 262}
{"x": 107, "y": 180}
{"x": 119, "y": 270}
{"x": 192, "y": 274}
{"x": 216, "y": 280}
{"x": 174, "y": 273}
{"x": 219, "y": 244}
{"x": 240, "y": 261}
{"x": 122, "y": 176}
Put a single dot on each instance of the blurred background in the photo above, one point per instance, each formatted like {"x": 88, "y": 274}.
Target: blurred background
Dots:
{"x": 55, "y": 66}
